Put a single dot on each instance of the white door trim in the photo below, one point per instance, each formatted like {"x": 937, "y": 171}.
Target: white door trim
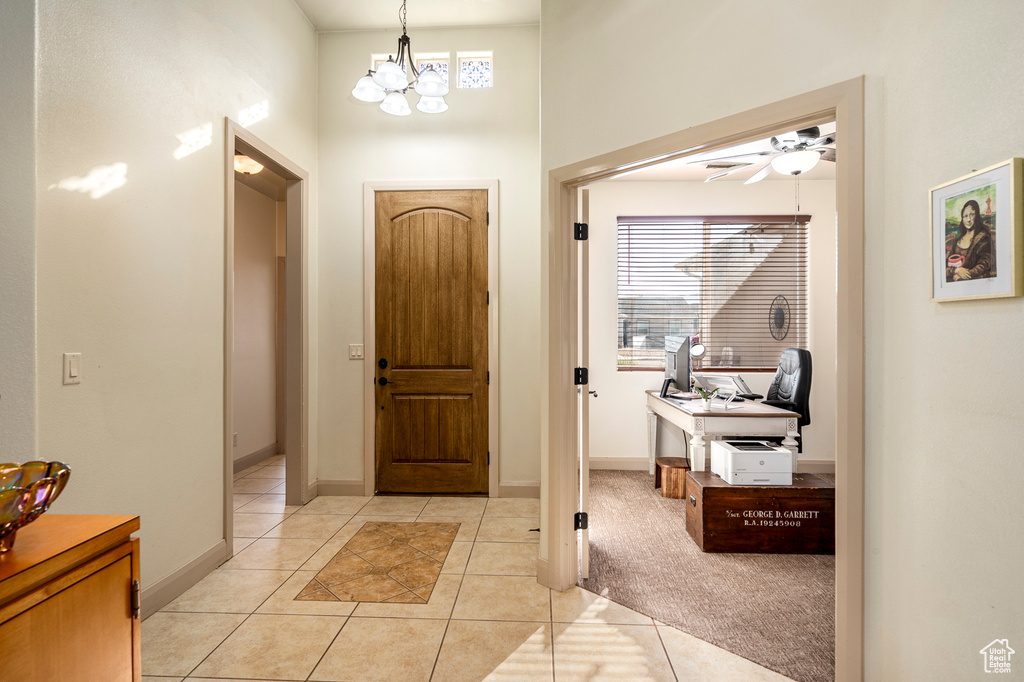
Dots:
{"x": 844, "y": 103}
{"x": 296, "y": 322}
{"x": 370, "y": 322}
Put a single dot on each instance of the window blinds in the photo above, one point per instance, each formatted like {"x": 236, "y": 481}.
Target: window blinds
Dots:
{"x": 738, "y": 283}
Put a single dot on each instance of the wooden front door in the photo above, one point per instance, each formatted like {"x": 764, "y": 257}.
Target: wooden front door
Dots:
{"x": 431, "y": 345}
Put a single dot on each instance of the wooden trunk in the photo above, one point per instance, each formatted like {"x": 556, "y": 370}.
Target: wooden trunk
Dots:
{"x": 792, "y": 519}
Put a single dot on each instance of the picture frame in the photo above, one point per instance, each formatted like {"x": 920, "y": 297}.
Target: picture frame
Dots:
{"x": 977, "y": 238}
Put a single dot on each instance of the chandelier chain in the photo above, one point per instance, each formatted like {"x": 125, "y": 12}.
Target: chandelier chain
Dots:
{"x": 401, "y": 16}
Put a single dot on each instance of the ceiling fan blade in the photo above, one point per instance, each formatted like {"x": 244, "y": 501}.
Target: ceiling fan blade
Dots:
{"x": 823, "y": 140}
{"x": 718, "y": 175}
{"x": 759, "y": 175}
{"x": 737, "y": 156}
{"x": 827, "y": 154}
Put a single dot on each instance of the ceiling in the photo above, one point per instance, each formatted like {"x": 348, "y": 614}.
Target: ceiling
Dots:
{"x": 362, "y": 15}
{"x": 683, "y": 170}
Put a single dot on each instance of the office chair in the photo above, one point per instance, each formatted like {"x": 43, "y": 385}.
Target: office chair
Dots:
{"x": 791, "y": 388}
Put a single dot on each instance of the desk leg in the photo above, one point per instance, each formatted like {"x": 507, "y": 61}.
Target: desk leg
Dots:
{"x": 789, "y": 442}
{"x": 697, "y": 459}
{"x": 652, "y": 438}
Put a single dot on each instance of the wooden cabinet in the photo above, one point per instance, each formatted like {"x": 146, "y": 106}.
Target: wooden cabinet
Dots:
{"x": 69, "y": 600}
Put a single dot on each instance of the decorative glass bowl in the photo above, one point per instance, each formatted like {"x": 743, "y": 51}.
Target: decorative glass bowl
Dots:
{"x": 26, "y": 491}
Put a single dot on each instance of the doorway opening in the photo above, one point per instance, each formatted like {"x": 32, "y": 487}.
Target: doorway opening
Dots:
{"x": 668, "y": 258}
{"x": 559, "y": 564}
{"x": 265, "y": 331}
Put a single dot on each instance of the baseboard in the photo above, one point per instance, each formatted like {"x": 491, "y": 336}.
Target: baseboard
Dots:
{"x": 346, "y": 488}
{"x": 163, "y": 592}
{"x": 542, "y": 571}
{"x": 312, "y": 490}
{"x": 620, "y": 463}
{"x": 519, "y": 489}
{"x": 246, "y": 461}
{"x": 816, "y": 466}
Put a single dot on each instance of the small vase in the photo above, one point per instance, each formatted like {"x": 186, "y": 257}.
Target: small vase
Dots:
{"x": 705, "y": 403}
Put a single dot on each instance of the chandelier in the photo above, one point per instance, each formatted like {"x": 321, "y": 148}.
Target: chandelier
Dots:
{"x": 389, "y": 83}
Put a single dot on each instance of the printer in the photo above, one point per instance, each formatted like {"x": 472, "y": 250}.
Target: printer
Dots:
{"x": 743, "y": 462}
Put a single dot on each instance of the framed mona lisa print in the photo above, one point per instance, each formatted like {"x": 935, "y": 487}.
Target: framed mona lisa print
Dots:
{"x": 977, "y": 235}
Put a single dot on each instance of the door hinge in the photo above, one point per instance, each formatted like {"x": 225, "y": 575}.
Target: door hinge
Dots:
{"x": 488, "y": 458}
{"x": 579, "y": 521}
{"x": 581, "y": 376}
{"x": 136, "y": 596}
{"x": 488, "y": 298}
{"x": 488, "y": 217}
{"x": 579, "y": 232}
{"x": 488, "y": 377}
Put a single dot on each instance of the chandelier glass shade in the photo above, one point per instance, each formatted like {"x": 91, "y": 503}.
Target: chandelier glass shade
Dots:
{"x": 396, "y": 104}
{"x": 389, "y": 83}
{"x": 368, "y": 91}
{"x": 431, "y": 105}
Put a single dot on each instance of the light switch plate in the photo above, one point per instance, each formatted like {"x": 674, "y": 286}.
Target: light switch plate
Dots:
{"x": 355, "y": 351}
{"x": 72, "y": 368}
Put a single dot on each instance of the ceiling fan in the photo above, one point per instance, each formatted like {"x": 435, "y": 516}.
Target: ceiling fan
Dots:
{"x": 792, "y": 153}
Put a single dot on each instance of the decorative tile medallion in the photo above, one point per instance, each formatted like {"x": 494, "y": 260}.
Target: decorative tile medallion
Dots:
{"x": 394, "y": 562}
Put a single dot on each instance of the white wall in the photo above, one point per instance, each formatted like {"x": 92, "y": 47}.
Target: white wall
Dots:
{"x": 17, "y": 233}
{"x": 255, "y": 356}
{"x": 618, "y": 417}
{"x": 134, "y": 280}
{"x": 944, "y": 523}
{"x": 488, "y": 133}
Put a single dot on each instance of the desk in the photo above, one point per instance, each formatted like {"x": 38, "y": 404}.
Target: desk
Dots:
{"x": 748, "y": 418}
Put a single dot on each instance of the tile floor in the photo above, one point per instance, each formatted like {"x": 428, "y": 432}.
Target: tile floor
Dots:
{"x": 487, "y": 618}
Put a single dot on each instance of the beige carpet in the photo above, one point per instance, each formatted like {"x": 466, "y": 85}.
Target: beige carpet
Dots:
{"x": 777, "y": 610}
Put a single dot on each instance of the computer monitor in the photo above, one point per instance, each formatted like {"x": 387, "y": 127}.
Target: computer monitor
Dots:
{"x": 677, "y": 364}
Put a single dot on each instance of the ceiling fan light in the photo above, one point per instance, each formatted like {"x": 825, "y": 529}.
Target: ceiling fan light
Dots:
{"x": 367, "y": 91}
{"x": 432, "y": 105}
{"x": 390, "y": 76}
{"x": 431, "y": 84}
{"x": 395, "y": 103}
{"x": 795, "y": 163}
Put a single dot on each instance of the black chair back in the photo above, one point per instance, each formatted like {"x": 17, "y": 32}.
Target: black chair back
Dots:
{"x": 792, "y": 382}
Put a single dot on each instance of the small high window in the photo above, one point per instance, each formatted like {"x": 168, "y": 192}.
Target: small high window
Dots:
{"x": 476, "y": 70}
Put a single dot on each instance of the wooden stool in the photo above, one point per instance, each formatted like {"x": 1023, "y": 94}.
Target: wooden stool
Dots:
{"x": 670, "y": 476}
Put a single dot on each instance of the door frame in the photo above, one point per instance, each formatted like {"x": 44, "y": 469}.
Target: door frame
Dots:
{"x": 297, "y": 491}
{"x": 370, "y": 188}
{"x": 842, "y": 102}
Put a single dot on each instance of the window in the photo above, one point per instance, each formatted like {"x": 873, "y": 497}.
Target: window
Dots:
{"x": 739, "y": 283}
{"x": 475, "y": 70}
